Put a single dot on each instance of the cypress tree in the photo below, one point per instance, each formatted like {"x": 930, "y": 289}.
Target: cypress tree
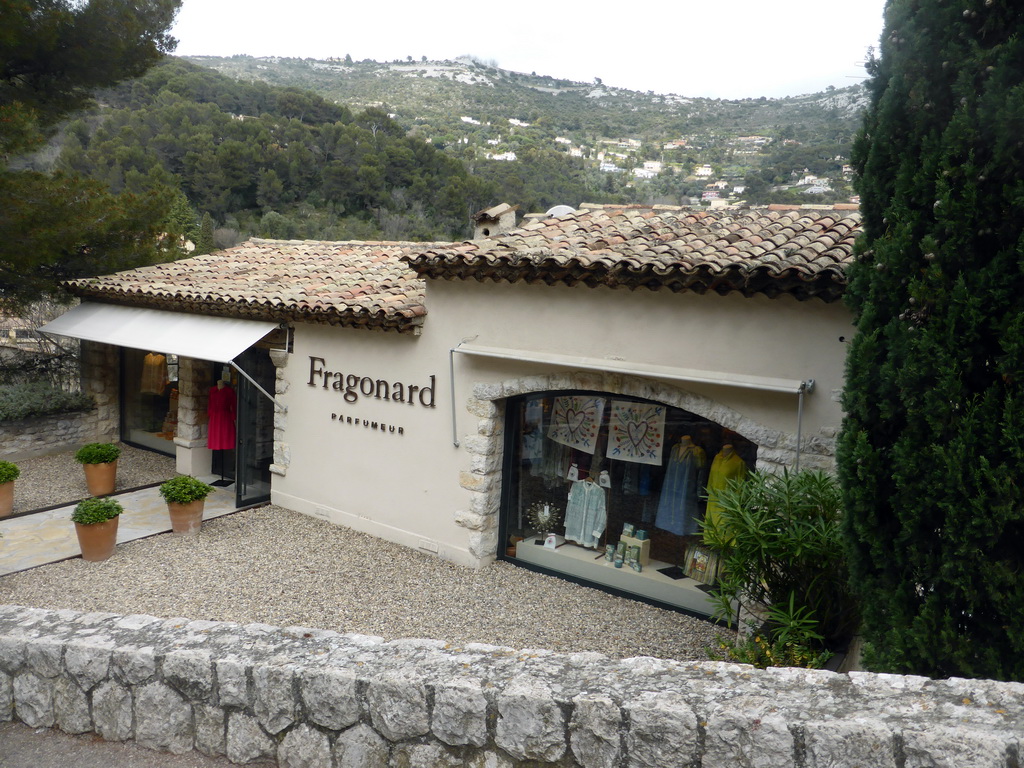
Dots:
{"x": 932, "y": 449}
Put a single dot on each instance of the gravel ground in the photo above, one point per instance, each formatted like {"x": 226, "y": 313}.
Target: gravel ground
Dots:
{"x": 279, "y": 567}
{"x": 46, "y": 481}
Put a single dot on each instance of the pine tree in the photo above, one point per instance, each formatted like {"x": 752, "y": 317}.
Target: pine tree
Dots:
{"x": 932, "y": 451}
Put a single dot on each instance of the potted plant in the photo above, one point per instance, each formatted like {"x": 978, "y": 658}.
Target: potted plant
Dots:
{"x": 8, "y": 474}
{"x": 95, "y": 522}
{"x": 186, "y": 499}
{"x": 99, "y": 460}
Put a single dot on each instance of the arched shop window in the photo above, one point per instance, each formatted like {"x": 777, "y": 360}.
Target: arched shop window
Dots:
{"x": 611, "y": 490}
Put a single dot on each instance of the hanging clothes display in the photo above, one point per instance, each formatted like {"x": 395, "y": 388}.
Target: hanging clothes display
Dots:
{"x": 154, "y": 374}
{"x": 685, "y": 477}
{"x": 727, "y": 466}
{"x": 586, "y": 514}
{"x": 221, "y": 410}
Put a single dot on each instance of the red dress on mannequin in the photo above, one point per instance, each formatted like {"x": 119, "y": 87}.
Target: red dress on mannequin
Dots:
{"x": 221, "y": 408}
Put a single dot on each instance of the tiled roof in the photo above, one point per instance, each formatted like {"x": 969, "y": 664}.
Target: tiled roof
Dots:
{"x": 799, "y": 252}
{"x": 339, "y": 283}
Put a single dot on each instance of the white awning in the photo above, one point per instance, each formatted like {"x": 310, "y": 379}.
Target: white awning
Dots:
{"x": 671, "y": 373}
{"x": 220, "y": 339}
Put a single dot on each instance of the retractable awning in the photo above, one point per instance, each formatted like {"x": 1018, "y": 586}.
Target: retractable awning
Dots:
{"x": 220, "y": 339}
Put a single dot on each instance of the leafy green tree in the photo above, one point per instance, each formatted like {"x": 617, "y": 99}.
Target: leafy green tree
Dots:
{"x": 53, "y": 55}
{"x": 932, "y": 450}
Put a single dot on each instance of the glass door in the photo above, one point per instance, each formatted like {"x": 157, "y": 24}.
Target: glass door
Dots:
{"x": 255, "y": 446}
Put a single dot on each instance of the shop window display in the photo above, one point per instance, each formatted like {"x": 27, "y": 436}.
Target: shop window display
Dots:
{"x": 597, "y": 481}
{"x": 149, "y": 416}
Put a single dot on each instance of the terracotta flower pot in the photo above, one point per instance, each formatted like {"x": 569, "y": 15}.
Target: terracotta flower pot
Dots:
{"x": 99, "y": 540}
{"x": 186, "y": 519}
{"x": 6, "y": 498}
{"x": 101, "y": 478}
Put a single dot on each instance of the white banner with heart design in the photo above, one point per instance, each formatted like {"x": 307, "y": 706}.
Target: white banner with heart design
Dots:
{"x": 576, "y": 422}
{"x": 636, "y": 432}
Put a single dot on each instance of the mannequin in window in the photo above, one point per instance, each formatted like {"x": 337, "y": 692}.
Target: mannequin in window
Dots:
{"x": 727, "y": 466}
{"x": 221, "y": 409}
{"x": 679, "y": 503}
{"x": 154, "y": 374}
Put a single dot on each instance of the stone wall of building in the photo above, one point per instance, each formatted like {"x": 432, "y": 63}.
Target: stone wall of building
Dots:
{"x": 100, "y": 366}
{"x": 307, "y": 697}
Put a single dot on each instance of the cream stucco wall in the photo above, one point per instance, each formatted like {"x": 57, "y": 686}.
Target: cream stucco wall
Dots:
{"x": 421, "y": 490}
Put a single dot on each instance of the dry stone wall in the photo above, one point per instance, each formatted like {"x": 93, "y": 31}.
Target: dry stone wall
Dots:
{"x": 304, "y": 697}
{"x": 25, "y": 438}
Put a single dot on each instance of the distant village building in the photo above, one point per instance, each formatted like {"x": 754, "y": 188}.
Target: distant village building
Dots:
{"x": 703, "y": 171}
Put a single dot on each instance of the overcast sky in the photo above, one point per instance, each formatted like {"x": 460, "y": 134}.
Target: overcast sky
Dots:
{"x": 715, "y": 48}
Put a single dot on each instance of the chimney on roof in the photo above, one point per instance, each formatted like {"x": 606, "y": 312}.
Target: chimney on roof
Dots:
{"x": 495, "y": 221}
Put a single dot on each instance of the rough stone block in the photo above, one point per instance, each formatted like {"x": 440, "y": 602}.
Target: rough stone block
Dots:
{"x": 6, "y": 697}
{"x": 483, "y": 543}
{"x": 424, "y": 756}
{"x": 246, "y": 741}
{"x": 274, "y": 702}
{"x": 594, "y": 731}
{"x": 849, "y": 742}
{"x": 460, "y": 714}
{"x": 663, "y": 731}
{"x": 945, "y": 746}
{"x": 210, "y": 731}
{"x": 87, "y": 664}
{"x": 304, "y": 747}
{"x": 530, "y": 725}
{"x": 488, "y": 760}
{"x": 398, "y": 707}
{"x": 112, "y": 711}
{"x": 745, "y": 732}
{"x": 190, "y": 672}
{"x": 33, "y": 699}
{"x": 330, "y": 698}
{"x": 232, "y": 684}
{"x": 12, "y": 655}
{"x": 163, "y": 719}
{"x": 361, "y": 747}
{"x": 71, "y": 707}
{"x": 470, "y": 520}
{"x": 133, "y": 666}
{"x": 474, "y": 482}
{"x": 42, "y": 656}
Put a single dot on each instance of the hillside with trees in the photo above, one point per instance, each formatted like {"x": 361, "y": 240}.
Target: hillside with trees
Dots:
{"x": 287, "y": 148}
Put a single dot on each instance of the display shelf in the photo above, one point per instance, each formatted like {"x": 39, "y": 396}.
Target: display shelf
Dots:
{"x": 590, "y": 565}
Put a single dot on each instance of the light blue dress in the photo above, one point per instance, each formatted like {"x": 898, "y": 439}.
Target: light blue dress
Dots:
{"x": 679, "y": 503}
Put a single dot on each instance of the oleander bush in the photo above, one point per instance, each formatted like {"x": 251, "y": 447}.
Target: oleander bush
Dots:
{"x": 781, "y": 548}
{"x": 31, "y": 399}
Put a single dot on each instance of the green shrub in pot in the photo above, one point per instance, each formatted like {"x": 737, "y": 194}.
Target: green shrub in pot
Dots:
{"x": 97, "y": 453}
{"x": 96, "y": 510}
{"x": 184, "y": 489}
{"x": 8, "y": 472}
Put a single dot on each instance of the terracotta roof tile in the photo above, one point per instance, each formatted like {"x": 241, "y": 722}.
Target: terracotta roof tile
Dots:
{"x": 779, "y": 250}
{"x": 340, "y": 283}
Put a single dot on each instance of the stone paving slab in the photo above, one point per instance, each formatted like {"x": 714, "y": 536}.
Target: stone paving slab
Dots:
{"x": 48, "y": 537}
